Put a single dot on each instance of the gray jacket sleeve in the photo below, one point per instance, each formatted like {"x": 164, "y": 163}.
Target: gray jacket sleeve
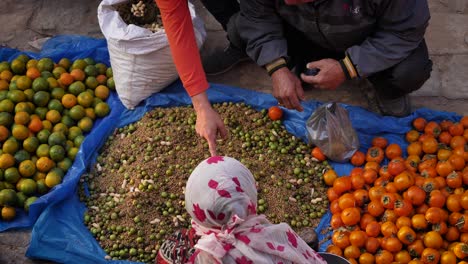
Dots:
{"x": 261, "y": 29}
{"x": 400, "y": 28}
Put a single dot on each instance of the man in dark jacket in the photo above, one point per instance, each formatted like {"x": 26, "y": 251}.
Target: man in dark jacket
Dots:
{"x": 381, "y": 40}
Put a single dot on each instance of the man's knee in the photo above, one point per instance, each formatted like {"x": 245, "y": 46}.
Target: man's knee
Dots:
{"x": 410, "y": 74}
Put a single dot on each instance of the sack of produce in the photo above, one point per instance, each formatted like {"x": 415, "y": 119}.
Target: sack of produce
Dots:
{"x": 138, "y": 47}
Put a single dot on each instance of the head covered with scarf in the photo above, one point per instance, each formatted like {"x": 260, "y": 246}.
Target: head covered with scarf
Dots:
{"x": 221, "y": 198}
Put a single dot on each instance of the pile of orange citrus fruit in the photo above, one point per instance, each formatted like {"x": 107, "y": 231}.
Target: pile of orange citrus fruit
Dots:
{"x": 46, "y": 109}
{"x": 412, "y": 210}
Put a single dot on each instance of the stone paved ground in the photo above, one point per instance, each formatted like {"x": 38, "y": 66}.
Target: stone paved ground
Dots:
{"x": 24, "y": 21}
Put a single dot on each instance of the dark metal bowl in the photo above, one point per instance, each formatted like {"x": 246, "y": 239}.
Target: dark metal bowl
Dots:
{"x": 333, "y": 259}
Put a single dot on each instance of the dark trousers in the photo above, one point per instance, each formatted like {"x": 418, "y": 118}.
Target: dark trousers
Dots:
{"x": 222, "y": 10}
{"x": 405, "y": 77}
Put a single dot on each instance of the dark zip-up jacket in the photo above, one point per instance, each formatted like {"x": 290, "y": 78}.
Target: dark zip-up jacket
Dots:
{"x": 375, "y": 34}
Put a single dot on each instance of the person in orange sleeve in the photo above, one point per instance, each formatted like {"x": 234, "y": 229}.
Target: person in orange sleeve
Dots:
{"x": 179, "y": 29}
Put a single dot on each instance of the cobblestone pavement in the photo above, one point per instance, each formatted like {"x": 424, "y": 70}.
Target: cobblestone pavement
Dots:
{"x": 27, "y": 20}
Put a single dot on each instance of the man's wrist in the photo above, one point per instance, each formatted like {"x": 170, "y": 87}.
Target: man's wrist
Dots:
{"x": 348, "y": 68}
{"x": 200, "y": 101}
{"x": 275, "y": 65}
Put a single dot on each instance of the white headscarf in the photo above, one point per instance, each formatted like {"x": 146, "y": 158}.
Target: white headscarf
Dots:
{"x": 221, "y": 197}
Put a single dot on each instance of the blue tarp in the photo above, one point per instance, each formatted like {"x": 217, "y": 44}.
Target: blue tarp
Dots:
{"x": 59, "y": 233}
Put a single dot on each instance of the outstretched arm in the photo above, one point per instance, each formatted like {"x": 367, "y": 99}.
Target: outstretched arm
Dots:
{"x": 179, "y": 30}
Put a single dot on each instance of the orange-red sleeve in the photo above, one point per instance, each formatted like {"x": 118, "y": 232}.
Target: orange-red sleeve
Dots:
{"x": 179, "y": 30}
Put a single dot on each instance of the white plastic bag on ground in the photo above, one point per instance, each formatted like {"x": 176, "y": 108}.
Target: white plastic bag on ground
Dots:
{"x": 141, "y": 60}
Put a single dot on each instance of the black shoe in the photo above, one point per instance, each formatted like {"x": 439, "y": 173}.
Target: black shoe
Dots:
{"x": 222, "y": 60}
{"x": 398, "y": 107}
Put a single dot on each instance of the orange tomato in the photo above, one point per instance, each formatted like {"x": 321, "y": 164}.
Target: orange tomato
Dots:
{"x": 396, "y": 166}
{"x": 340, "y": 239}
{"x": 380, "y": 142}
{"x": 457, "y": 141}
{"x": 443, "y": 154}
{"x": 402, "y": 257}
{"x": 453, "y": 203}
{"x": 406, "y": 235}
{"x": 430, "y": 256}
{"x": 436, "y": 199}
{"x": 403, "y": 181}
{"x": 342, "y": 184}
{"x": 334, "y": 250}
{"x": 361, "y": 197}
{"x": 452, "y": 234}
{"x": 433, "y": 215}
{"x": 275, "y": 113}
{"x": 433, "y": 239}
{"x": 445, "y": 138}
{"x": 430, "y": 145}
{"x": 329, "y": 177}
{"x": 448, "y": 257}
{"x": 318, "y": 154}
{"x": 346, "y": 201}
{"x": 375, "y": 154}
{"x": 373, "y": 229}
{"x": 456, "y": 129}
{"x": 358, "y": 158}
{"x": 357, "y": 182}
{"x": 457, "y": 161}
{"x": 383, "y": 257}
{"x": 432, "y": 128}
{"x": 375, "y": 208}
{"x": 414, "y": 148}
{"x": 369, "y": 175}
{"x": 388, "y": 229}
{"x": 388, "y": 200}
{"x": 366, "y": 218}
{"x": 393, "y": 151}
{"x": 392, "y": 244}
{"x": 403, "y": 207}
{"x": 416, "y": 248}
{"x": 372, "y": 245}
{"x": 416, "y": 195}
{"x": 351, "y": 216}
{"x": 454, "y": 180}
{"x": 461, "y": 250}
{"x": 335, "y": 207}
{"x": 332, "y": 194}
{"x": 412, "y": 135}
{"x": 366, "y": 258}
{"x": 376, "y": 192}
{"x": 358, "y": 238}
{"x": 412, "y": 162}
{"x": 389, "y": 216}
{"x": 335, "y": 221}
{"x": 403, "y": 221}
{"x": 419, "y": 222}
{"x": 419, "y": 124}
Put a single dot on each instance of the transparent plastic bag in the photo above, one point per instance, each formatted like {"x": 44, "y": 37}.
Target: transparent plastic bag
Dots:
{"x": 330, "y": 129}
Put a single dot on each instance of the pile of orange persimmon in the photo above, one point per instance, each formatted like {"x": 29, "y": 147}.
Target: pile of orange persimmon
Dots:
{"x": 414, "y": 209}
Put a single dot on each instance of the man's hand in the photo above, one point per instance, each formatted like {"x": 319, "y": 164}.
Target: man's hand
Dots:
{"x": 209, "y": 123}
{"x": 331, "y": 74}
{"x": 287, "y": 89}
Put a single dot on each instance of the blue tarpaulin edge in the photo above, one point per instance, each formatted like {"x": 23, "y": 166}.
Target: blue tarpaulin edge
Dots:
{"x": 59, "y": 233}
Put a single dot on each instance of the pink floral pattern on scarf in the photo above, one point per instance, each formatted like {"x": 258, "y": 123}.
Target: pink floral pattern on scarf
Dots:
{"x": 221, "y": 198}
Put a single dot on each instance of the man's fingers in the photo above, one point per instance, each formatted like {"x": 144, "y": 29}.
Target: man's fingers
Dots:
{"x": 296, "y": 104}
{"x": 223, "y": 132}
{"x": 212, "y": 146}
{"x": 300, "y": 91}
{"x": 310, "y": 79}
{"x": 314, "y": 64}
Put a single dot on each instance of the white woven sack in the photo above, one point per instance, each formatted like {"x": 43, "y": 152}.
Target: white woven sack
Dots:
{"x": 141, "y": 60}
